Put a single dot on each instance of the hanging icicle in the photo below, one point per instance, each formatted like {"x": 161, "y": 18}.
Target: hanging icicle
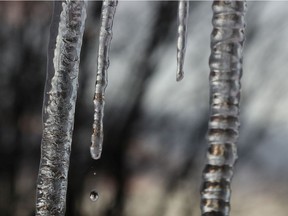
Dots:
{"x": 225, "y": 62}
{"x": 107, "y": 17}
{"x": 183, "y": 13}
{"x": 65, "y": 43}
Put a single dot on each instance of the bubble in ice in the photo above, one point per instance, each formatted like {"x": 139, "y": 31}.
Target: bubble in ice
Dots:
{"x": 94, "y": 195}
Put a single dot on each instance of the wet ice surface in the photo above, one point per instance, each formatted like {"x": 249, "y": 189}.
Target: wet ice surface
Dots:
{"x": 225, "y": 72}
{"x": 67, "y": 29}
{"x": 183, "y": 13}
{"x": 107, "y": 17}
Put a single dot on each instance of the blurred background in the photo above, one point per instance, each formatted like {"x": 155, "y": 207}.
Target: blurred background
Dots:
{"x": 154, "y": 144}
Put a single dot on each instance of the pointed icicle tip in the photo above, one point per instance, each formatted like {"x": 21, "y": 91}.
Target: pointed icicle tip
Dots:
{"x": 179, "y": 76}
{"x": 183, "y": 13}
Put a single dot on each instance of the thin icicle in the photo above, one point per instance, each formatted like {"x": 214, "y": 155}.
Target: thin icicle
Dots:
{"x": 65, "y": 43}
{"x": 225, "y": 62}
{"x": 107, "y": 17}
{"x": 183, "y": 13}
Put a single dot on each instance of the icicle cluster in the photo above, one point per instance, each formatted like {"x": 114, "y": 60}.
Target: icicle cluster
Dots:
{"x": 66, "y": 34}
{"x": 183, "y": 13}
{"x": 107, "y": 17}
{"x": 226, "y": 68}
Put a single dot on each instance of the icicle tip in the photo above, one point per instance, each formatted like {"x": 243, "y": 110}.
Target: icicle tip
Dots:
{"x": 95, "y": 153}
{"x": 179, "y": 76}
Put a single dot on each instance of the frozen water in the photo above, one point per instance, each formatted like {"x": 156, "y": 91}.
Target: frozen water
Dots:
{"x": 66, "y": 34}
{"x": 183, "y": 12}
{"x": 94, "y": 195}
{"x": 225, "y": 63}
{"x": 107, "y": 17}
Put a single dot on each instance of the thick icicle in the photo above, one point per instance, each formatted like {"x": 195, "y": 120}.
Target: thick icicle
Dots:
{"x": 65, "y": 43}
{"x": 225, "y": 62}
{"x": 107, "y": 17}
{"x": 183, "y": 13}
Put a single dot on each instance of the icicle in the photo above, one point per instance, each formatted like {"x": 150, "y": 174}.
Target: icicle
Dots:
{"x": 183, "y": 13}
{"x": 65, "y": 43}
{"x": 225, "y": 62}
{"x": 107, "y": 17}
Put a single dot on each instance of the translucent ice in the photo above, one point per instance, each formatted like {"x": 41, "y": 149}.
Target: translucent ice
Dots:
{"x": 225, "y": 63}
{"x": 65, "y": 43}
{"x": 183, "y": 12}
{"x": 107, "y": 17}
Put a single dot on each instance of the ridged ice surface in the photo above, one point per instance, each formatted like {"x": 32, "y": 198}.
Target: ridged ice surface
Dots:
{"x": 225, "y": 62}
{"x": 66, "y": 33}
{"x": 183, "y": 13}
{"x": 107, "y": 17}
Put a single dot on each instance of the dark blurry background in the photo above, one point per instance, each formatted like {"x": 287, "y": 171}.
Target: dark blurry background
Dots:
{"x": 154, "y": 144}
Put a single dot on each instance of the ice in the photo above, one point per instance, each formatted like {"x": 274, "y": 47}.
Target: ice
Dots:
{"x": 107, "y": 17}
{"x": 183, "y": 13}
{"x": 225, "y": 63}
{"x": 65, "y": 43}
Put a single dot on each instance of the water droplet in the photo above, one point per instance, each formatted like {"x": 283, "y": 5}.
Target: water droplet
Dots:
{"x": 94, "y": 173}
{"x": 94, "y": 196}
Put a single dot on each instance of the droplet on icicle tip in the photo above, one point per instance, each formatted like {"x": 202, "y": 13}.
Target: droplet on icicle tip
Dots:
{"x": 94, "y": 196}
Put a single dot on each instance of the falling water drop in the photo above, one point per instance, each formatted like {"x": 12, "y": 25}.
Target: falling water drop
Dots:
{"x": 66, "y": 33}
{"x": 94, "y": 196}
